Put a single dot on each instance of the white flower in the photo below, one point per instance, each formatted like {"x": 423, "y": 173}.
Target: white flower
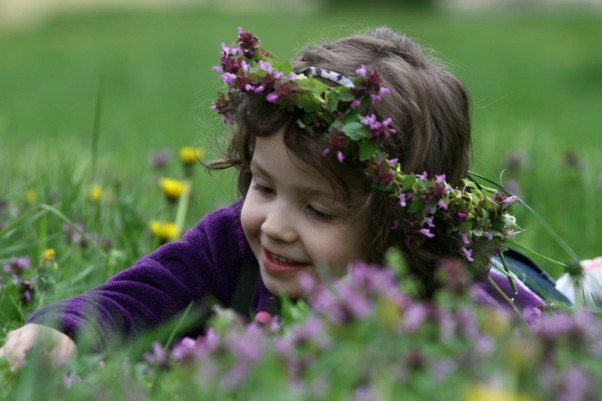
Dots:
{"x": 509, "y": 220}
{"x": 583, "y": 290}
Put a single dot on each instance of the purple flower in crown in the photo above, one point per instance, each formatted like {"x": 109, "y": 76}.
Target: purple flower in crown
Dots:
{"x": 370, "y": 84}
{"x": 504, "y": 199}
{"x": 440, "y": 188}
{"x": 382, "y": 173}
{"x": 249, "y": 44}
{"x": 337, "y": 141}
{"x": 427, "y": 225}
{"x": 379, "y": 129}
{"x": 467, "y": 252}
{"x": 229, "y": 61}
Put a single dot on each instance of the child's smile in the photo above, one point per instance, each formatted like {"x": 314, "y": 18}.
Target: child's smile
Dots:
{"x": 295, "y": 222}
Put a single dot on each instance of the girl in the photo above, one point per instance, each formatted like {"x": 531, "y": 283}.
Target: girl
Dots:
{"x": 357, "y": 146}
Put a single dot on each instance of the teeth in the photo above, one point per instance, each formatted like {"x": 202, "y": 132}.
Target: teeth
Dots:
{"x": 279, "y": 259}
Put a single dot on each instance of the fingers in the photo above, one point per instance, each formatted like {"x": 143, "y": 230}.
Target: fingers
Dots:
{"x": 53, "y": 344}
{"x": 63, "y": 351}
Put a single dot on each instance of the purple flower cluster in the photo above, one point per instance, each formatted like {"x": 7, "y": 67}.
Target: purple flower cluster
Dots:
{"x": 16, "y": 268}
{"x": 371, "y": 84}
{"x": 78, "y": 235}
{"x": 363, "y": 334}
{"x": 478, "y": 218}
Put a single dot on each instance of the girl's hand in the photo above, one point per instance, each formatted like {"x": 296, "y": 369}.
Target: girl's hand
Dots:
{"x": 56, "y": 345}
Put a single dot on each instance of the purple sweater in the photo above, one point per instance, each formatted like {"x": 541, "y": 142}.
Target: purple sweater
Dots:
{"x": 212, "y": 262}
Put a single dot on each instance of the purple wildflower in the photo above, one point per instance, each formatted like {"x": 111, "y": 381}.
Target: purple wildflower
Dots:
{"x": 378, "y": 97}
{"x": 79, "y": 236}
{"x": 244, "y": 66}
{"x": 575, "y": 385}
{"x": 516, "y": 160}
{"x": 427, "y": 225}
{"x": 249, "y": 43}
{"x": 426, "y": 232}
{"x": 362, "y": 71}
{"x": 504, "y": 199}
{"x": 235, "y": 376}
{"x": 158, "y": 356}
{"x": 382, "y": 173}
{"x": 423, "y": 176}
{"x": 454, "y": 275}
{"x": 272, "y": 97}
{"x": 414, "y": 317}
{"x": 26, "y": 291}
{"x": 17, "y": 264}
{"x": 160, "y": 159}
{"x": 228, "y": 78}
{"x": 379, "y": 128}
{"x": 265, "y": 66}
{"x": 467, "y": 252}
{"x": 402, "y": 200}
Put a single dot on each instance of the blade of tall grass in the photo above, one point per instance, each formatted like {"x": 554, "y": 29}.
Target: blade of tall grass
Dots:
{"x": 74, "y": 226}
{"x": 96, "y": 128}
{"x": 547, "y": 228}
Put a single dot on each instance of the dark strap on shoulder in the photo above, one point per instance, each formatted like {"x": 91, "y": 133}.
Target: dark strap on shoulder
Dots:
{"x": 534, "y": 277}
{"x": 245, "y": 289}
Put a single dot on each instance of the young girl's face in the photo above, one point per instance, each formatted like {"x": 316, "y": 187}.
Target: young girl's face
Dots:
{"x": 294, "y": 221}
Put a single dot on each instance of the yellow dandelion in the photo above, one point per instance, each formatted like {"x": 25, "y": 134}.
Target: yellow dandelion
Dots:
{"x": 48, "y": 255}
{"x": 164, "y": 230}
{"x": 172, "y": 189}
{"x": 31, "y": 196}
{"x": 483, "y": 392}
{"x": 48, "y": 258}
{"x": 190, "y": 156}
{"x": 95, "y": 193}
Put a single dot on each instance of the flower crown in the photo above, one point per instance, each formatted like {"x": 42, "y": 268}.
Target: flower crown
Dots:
{"x": 469, "y": 212}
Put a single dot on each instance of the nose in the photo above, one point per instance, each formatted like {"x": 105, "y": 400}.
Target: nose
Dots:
{"x": 279, "y": 224}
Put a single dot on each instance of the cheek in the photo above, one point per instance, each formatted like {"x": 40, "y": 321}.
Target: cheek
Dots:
{"x": 342, "y": 248}
{"x": 249, "y": 218}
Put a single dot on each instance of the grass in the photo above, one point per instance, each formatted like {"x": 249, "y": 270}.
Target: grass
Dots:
{"x": 534, "y": 78}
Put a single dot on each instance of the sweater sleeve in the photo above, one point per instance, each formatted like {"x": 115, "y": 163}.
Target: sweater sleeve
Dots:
{"x": 205, "y": 263}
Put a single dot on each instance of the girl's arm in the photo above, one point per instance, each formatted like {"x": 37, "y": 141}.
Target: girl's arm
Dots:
{"x": 206, "y": 263}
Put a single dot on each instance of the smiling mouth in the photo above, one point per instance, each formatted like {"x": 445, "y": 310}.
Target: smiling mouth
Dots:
{"x": 278, "y": 265}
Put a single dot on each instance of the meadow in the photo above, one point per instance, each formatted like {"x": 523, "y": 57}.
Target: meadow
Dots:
{"x": 96, "y": 108}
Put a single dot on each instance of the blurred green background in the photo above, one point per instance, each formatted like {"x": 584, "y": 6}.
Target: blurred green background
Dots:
{"x": 535, "y": 76}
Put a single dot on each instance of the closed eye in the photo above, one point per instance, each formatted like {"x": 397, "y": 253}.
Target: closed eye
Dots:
{"x": 263, "y": 190}
{"x": 321, "y": 215}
